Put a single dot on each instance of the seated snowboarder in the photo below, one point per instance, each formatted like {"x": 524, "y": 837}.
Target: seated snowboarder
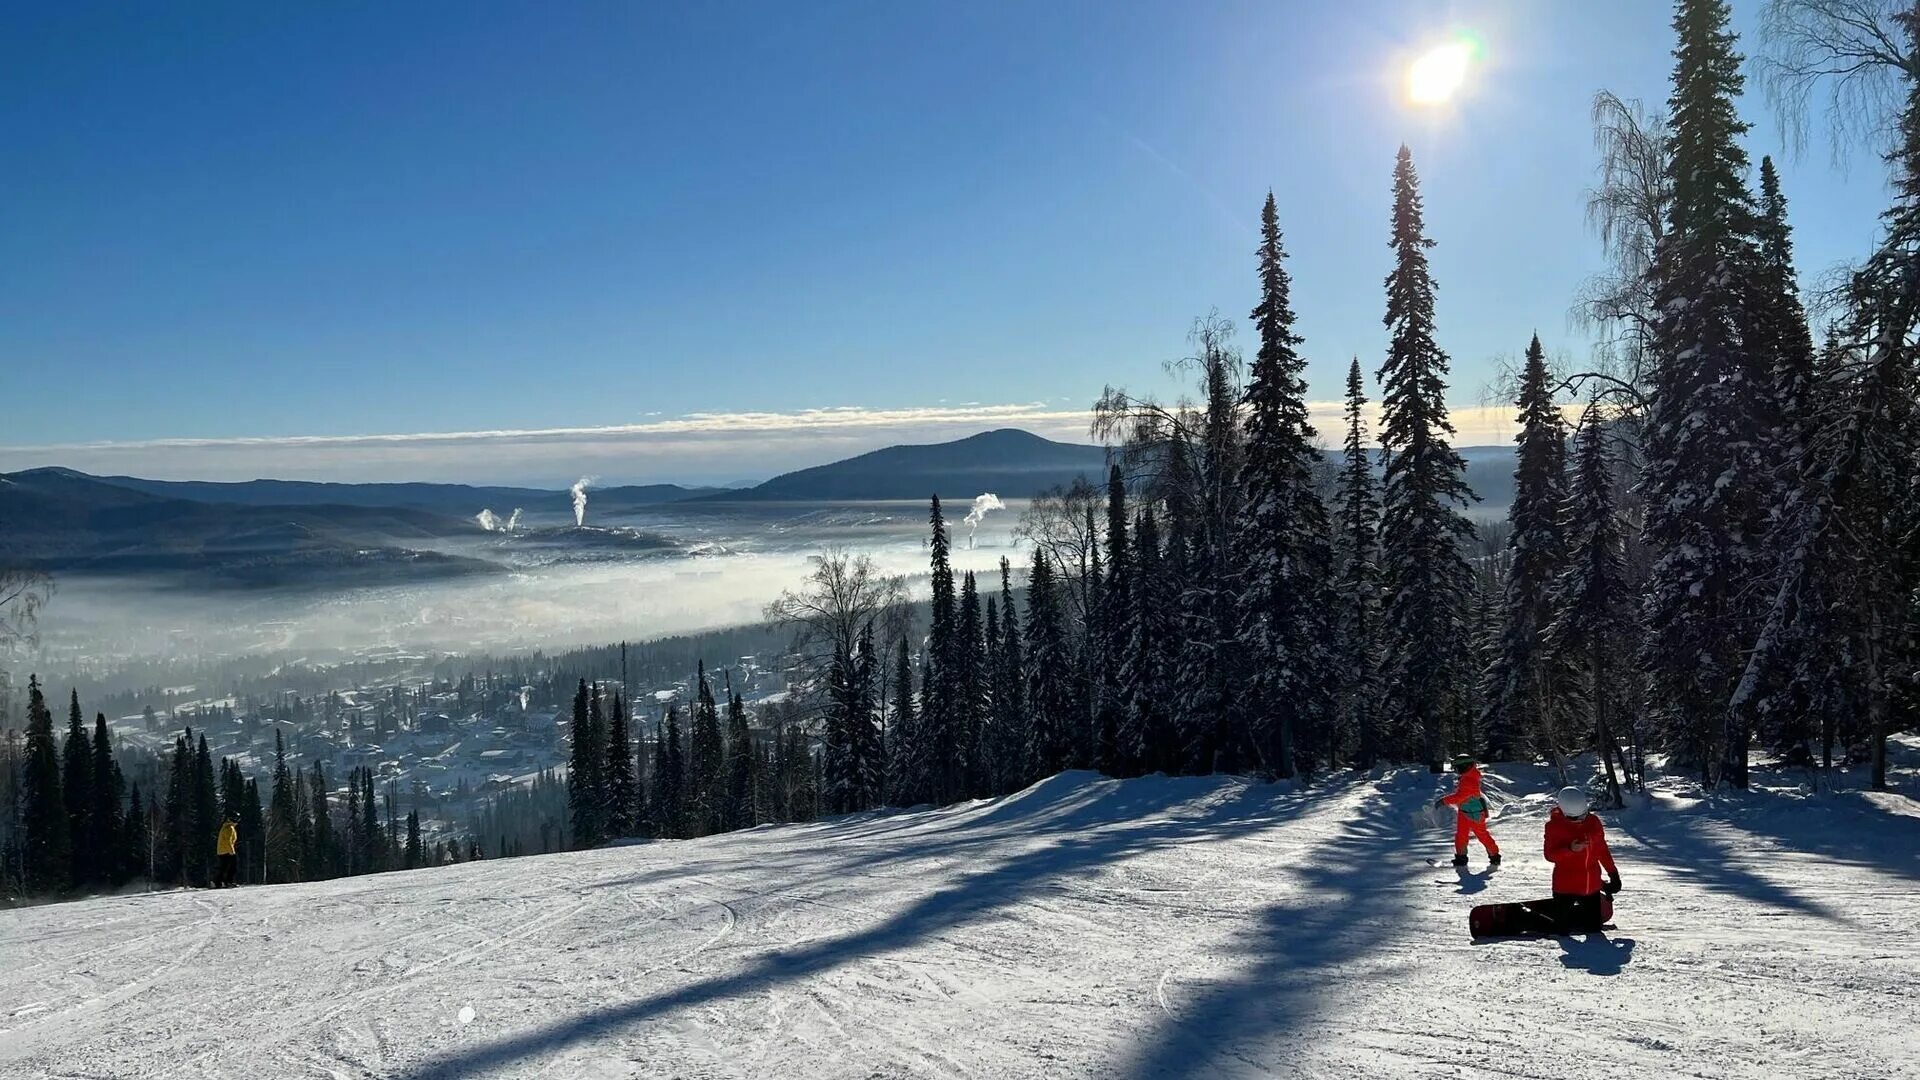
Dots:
{"x": 1576, "y": 845}
{"x": 1470, "y": 812}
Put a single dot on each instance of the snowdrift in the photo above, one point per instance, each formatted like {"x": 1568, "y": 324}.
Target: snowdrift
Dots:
{"x": 1082, "y": 928}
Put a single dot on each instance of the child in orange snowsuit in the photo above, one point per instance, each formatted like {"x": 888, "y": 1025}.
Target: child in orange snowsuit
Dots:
{"x": 1470, "y": 817}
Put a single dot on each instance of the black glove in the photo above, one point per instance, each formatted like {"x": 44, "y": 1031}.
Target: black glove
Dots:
{"x": 1612, "y": 886}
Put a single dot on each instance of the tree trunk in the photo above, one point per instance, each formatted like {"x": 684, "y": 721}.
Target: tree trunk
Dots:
{"x": 1602, "y": 729}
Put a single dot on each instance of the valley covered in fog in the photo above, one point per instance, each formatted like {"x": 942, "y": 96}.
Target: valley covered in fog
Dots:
{"x": 629, "y": 574}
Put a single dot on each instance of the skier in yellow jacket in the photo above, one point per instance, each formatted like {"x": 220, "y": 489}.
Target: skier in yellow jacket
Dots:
{"x": 224, "y": 877}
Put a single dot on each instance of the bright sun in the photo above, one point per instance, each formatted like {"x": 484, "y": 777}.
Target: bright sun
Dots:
{"x": 1437, "y": 74}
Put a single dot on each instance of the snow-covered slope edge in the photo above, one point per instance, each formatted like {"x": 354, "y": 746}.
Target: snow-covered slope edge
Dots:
{"x": 1082, "y": 928}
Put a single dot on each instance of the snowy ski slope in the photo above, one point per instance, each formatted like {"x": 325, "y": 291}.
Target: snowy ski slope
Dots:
{"x": 1083, "y": 928}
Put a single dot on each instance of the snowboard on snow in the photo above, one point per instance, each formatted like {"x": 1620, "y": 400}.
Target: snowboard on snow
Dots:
{"x": 1552, "y": 915}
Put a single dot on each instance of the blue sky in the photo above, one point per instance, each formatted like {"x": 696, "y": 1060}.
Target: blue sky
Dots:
{"x": 240, "y": 239}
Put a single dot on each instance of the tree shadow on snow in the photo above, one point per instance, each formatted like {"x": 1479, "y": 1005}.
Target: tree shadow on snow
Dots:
{"x": 1596, "y": 954}
{"x": 1355, "y": 899}
{"x": 1686, "y": 854}
{"x": 1081, "y": 850}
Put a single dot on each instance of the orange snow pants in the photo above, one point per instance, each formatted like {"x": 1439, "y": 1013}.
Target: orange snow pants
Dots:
{"x": 1465, "y": 825}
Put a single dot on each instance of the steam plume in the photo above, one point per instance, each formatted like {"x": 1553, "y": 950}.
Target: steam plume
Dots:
{"x": 579, "y": 490}
{"x": 982, "y": 505}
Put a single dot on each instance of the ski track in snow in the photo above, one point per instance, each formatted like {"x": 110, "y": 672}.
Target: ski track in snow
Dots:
{"x": 1082, "y": 928}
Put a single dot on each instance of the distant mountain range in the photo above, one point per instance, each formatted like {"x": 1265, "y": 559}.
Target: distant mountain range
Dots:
{"x": 262, "y": 533}
{"x": 66, "y": 521}
{"x": 1011, "y": 463}
{"x": 458, "y": 499}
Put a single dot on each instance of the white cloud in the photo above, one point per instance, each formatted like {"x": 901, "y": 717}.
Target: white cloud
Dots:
{"x": 696, "y": 447}
{"x": 705, "y": 447}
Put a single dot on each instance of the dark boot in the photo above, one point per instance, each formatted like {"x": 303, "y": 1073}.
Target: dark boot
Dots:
{"x": 1493, "y": 861}
{"x": 1459, "y": 858}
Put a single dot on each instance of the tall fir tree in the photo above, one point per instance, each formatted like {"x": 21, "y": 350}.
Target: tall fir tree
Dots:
{"x": 903, "y": 722}
{"x": 134, "y": 857}
{"x": 76, "y": 787}
{"x": 1357, "y": 590}
{"x": 1705, "y": 473}
{"x": 1592, "y": 597}
{"x": 105, "y": 819}
{"x": 969, "y": 690}
{"x": 938, "y": 721}
{"x": 741, "y": 755}
{"x": 671, "y": 784}
{"x": 1282, "y": 539}
{"x": 1146, "y": 742}
{"x": 1777, "y": 331}
{"x": 47, "y": 853}
{"x": 1525, "y": 685}
{"x": 622, "y": 783}
{"x": 179, "y": 811}
{"x": 1426, "y": 577}
{"x": 325, "y": 855}
{"x": 585, "y": 794}
{"x": 283, "y": 830}
{"x": 1051, "y": 708}
{"x": 1007, "y": 748}
{"x": 706, "y": 760}
{"x": 1111, "y": 631}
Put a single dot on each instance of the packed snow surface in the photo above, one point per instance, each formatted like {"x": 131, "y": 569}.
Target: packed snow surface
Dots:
{"x": 1082, "y": 928}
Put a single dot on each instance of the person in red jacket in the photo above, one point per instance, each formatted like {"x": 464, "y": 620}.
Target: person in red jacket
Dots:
{"x": 1577, "y": 847}
{"x": 1470, "y": 812}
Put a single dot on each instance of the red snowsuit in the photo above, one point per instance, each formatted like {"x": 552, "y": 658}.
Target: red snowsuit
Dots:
{"x": 1577, "y": 873}
{"x": 1470, "y": 813}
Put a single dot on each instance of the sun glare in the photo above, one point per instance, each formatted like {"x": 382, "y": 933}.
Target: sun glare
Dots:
{"x": 1436, "y": 75}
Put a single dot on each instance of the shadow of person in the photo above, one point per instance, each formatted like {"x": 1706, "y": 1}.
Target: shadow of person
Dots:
{"x": 1596, "y": 954}
{"x": 1471, "y": 882}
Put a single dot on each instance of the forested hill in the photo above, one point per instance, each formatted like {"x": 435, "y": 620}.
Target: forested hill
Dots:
{"x": 1008, "y": 462}
{"x": 460, "y": 499}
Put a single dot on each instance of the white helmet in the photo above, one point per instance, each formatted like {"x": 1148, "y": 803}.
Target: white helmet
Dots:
{"x": 1573, "y": 801}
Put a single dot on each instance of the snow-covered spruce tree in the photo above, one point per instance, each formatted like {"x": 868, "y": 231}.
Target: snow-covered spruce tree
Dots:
{"x": 326, "y": 852}
{"x": 741, "y": 754}
{"x": 865, "y": 768}
{"x": 901, "y": 725}
{"x": 969, "y": 690}
{"x": 1706, "y": 473}
{"x": 1146, "y": 742}
{"x": 706, "y": 760}
{"x": 1426, "y": 579}
{"x": 1049, "y": 663}
{"x": 1109, "y": 641}
{"x": 1356, "y": 601}
{"x": 1847, "y": 542}
{"x": 674, "y": 812}
{"x": 1281, "y": 541}
{"x": 46, "y": 850}
{"x": 76, "y": 788}
{"x": 622, "y": 786}
{"x": 283, "y": 854}
{"x": 837, "y": 790}
{"x": 584, "y": 761}
{"x": 1592, "y": 600}
{"x": 1008, "y": 746}
{"x": 937, "y": 720}
{"x": 1209, "y": 668}
{"x": 1776, "y": 329}
{"x": 1526, "y": 683}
